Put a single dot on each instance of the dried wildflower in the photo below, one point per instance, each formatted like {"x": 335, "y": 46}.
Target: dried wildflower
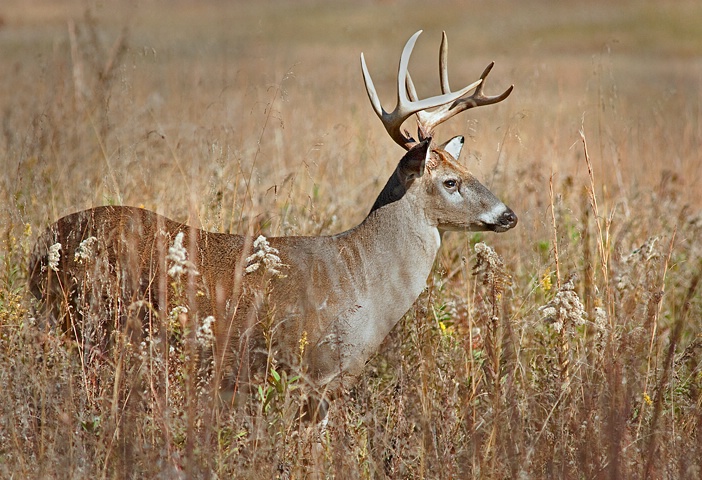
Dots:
{"x": 565, "y": 308}
{"x": 84, "y": 252}
{"x": 205, "y": 335}
{"x": 600, "y": 319}
{"x": 490, "y": 267}
{"x": 549, "y": 314}
{"x": 177, "y": 311}
{"x": 629, "y": 277}
{"x": 178, "y": 254}
{"x": 54, "y": 256}
{"x": 648, "y": 250}
{"x": 265, "y": 255}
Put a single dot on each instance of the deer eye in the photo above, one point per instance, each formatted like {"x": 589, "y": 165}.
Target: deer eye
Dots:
{"x": 450, "y": 184}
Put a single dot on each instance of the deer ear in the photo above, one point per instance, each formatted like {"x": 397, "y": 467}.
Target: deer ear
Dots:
{"x": 412, "y": 164}
{"x": 454, "y": 146}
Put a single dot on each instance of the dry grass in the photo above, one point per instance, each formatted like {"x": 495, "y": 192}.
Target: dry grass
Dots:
{"x": 581, "y": 361}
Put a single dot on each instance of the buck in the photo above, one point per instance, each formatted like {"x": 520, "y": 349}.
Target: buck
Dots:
{"x": 319, "y": 306}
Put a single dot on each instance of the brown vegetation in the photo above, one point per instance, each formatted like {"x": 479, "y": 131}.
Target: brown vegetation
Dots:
{"x": 568, "y": 348}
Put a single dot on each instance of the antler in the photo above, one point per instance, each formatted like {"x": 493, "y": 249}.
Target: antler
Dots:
{"x": 449, "y": 103}
{"x": 427, "y": 121}
{"x": 406, "y": 107}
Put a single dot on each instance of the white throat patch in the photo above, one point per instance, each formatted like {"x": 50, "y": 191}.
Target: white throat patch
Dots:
{"x": 437, "y": 237}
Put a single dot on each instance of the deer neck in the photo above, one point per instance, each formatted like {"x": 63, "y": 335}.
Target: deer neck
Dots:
{"x": 404, "y": 226}
{"x": 401, "y": 231}
{"x": 392, "y": 252}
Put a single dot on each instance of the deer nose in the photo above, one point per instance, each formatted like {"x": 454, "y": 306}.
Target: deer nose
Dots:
{"x": 508, "y": 218}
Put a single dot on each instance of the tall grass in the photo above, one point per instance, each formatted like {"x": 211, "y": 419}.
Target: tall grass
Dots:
{"x": 567, "y": 348}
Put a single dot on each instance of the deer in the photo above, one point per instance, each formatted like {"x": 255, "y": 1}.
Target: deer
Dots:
{"x": 317, "y": 305}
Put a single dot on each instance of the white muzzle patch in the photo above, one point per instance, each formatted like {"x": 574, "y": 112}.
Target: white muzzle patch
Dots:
{"x": 493, "y": 216}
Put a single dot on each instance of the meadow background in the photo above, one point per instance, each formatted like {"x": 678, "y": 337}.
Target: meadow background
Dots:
{"x": 576, "y": 356}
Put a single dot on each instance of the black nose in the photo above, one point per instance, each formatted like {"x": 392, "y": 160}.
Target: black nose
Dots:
{"x": 508, "y": 219}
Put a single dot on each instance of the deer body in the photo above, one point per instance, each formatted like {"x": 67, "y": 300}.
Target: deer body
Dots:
{"x": 327, "y": 305}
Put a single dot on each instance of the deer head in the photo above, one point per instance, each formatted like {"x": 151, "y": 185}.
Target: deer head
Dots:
{"x": 451, "y": 197}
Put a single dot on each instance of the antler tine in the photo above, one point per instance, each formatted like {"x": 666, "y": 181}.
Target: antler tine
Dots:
{"x": 443, "y": 64}
{"x": 478, "y": 99}
{"x": 429, "y": 120}
{"x": 443, "y": 70}
{"x": 406, "y": 105}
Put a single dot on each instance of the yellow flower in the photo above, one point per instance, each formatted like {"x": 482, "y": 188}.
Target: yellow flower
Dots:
{"x": 647, "y": 399}
{"x": 303, "y": 343}
{"x": 545, "y": 282}
{"x": 445, "y": 329}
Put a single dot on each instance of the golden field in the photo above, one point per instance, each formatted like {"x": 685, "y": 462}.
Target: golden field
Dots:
{"x": 253, "y": 118}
